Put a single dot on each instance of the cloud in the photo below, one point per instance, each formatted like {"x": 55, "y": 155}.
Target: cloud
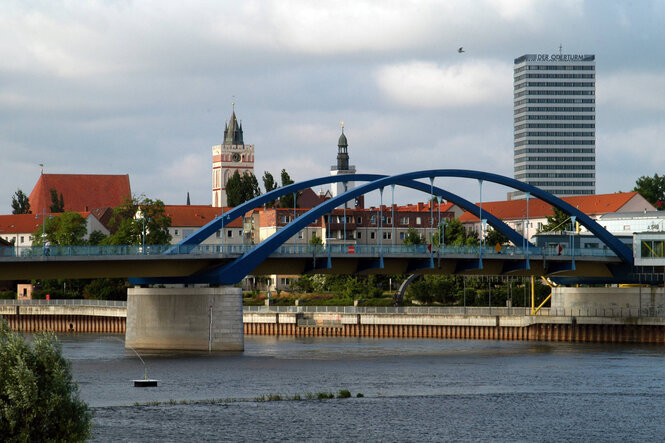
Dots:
{"x": 422, "y": 84}
{"x": 632, "y": 90}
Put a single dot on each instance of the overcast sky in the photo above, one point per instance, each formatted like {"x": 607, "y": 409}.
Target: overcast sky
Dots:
{"x": 144, "y": 88}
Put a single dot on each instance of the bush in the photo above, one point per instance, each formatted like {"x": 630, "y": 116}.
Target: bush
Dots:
{"x": 344, "y": 393}
{"x": 38, "y": 397}
{"x": 7, "y": 295}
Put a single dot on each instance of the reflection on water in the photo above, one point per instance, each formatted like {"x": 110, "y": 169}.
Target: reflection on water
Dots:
{"x": 414, "y": 389}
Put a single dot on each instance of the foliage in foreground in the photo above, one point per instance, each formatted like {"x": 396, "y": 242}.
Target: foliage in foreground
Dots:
{"x": 38, "y": 397}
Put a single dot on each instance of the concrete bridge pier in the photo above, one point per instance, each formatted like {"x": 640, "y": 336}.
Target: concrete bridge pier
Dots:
{"x": 186, "y": 319}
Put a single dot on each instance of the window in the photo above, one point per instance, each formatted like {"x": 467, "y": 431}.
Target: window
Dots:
{"x": 240, "y": 233}
{"x": 389, "y": 220}
{"x": 284, "y": 219}
{"x": 229, "y": 233}
{"x": 419, "y": 221}
{"x": 404, "y": 221}
{"x": 359, "y": 220}
{"x": 372, "y": 219}
{"x": 218, "y": 234}
{"x": 358, "y": 236}
{"x": 175, "y": 232}
{"x": 300, "y": 235}
{"x": 387, "y": 235}
{"x": 372, "y": 235}
{"x": 22, "y": 239}
{"x": 401, "y": 236}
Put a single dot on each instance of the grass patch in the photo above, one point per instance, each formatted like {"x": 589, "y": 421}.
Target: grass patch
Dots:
{"x": 344, "y": 393}
{"x": 324, "y": 395}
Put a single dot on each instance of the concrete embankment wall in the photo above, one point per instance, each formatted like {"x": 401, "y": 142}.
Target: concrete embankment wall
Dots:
{"x": 65, "y": 318}
{"x": 540, "y": 328}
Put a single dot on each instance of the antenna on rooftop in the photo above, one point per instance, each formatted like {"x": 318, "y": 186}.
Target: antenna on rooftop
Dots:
{"x": 560, "y": 49}
{"x": 41, "y": 165}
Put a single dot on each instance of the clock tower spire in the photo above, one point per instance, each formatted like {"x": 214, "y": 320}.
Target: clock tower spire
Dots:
{"x": 228, "y": 157}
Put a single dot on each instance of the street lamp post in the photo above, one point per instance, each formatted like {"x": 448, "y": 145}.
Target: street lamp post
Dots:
{"x": 43, "y": 215}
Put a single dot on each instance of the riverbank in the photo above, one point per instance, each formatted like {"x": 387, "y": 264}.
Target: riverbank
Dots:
{"x": 438, "y": 323}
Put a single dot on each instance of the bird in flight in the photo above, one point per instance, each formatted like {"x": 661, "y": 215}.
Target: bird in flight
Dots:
{"x": 461, "y": 49}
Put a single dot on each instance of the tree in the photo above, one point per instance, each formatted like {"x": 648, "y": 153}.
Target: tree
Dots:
{"x": 270, "y": 185}
{"x": 20, "y": 203}
{"x": 130, "y": 218}
{"x": 413, "y": 238}
{"x": 494, "y": 237}
{"x": 455, "y": 234}
{"x": 38, "y": 396}
{"x": 241, "y": 188}
{"x": 66, "y": 229}
{"x": 96, "y": 238}
{"x": 286, "y": 201}
{"x": 557, "y": 222}
{"x": 652, "y": 189}
{"x": 57, "y": 205}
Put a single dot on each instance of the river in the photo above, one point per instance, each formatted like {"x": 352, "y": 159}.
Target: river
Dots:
{"x": 414, "y": 390}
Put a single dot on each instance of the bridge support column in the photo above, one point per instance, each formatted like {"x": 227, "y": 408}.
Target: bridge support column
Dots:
{"x": 191, "y": 319}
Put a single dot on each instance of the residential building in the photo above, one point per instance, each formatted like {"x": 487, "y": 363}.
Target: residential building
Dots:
{"x": 228, "y": 157}
{"x": 555, "y": 123}
{"x": 515, "y": 213}
{"x": 186, "y": 219}
{"x": 18, "y": 229}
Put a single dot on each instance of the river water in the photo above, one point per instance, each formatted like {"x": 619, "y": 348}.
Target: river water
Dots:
{"x": 414, "y": 390}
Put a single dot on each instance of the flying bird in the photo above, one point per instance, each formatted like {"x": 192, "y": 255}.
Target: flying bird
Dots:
{"x": 461, "y": 49}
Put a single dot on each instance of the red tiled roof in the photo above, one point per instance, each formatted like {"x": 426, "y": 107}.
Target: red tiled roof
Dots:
{"x": 25, "y": 223}
{"x": 80, "y": 192}
{"x": 197, "y": 215}
{"x": 589, "y": 204}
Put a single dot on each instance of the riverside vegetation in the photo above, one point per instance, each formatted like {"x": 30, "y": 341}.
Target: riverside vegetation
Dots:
{"x": 38, "y": 396}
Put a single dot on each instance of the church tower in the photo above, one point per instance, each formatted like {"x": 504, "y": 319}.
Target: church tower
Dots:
{"x": 342, "y": 167}
{"x": 227, "y": 158}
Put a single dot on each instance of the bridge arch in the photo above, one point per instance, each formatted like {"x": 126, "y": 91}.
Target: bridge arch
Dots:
{"x": 224, "y": 219}
{"x": 237, "y": 270}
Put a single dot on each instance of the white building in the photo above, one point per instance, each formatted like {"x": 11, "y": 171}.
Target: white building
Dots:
{"x": 19, "y": 228}
{"x": 555, "y": 123}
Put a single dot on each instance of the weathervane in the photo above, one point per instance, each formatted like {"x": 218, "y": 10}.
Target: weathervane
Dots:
{"x": 342, "y": 124}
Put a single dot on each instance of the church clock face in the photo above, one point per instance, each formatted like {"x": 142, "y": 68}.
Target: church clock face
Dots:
{"x": 235, "y": 157}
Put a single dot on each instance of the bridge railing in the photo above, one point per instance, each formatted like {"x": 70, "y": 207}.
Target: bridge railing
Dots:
{"x": 65, "y": 302}
{"x": 234, "y": 250}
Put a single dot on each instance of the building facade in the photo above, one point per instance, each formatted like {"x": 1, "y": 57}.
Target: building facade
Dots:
{"x": 555, "y": 123}
{"x": 227, "y": 158}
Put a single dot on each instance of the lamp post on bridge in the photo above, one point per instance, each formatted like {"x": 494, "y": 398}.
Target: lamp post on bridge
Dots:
{"x": 43, "y": 215}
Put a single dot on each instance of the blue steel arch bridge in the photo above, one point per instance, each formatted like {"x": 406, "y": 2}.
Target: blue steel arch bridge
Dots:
{"x": 191, "y": 262}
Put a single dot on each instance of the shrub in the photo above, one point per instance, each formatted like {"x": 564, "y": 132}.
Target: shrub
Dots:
{"x": 38, "y": 397}
{"x": 344, "y": 393}
{"x": 7, "y": 295}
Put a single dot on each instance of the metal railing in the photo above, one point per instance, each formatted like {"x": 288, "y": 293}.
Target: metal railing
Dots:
{"x": 306, "y": 249}
{"x": 65, "y": 302}
{"x": 468, "y": 311}
{"x": 654, "y": 312}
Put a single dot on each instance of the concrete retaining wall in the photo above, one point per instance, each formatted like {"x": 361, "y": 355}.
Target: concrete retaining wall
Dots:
{"x": 608, "y": 299}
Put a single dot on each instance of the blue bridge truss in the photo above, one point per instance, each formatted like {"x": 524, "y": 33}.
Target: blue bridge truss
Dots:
{"x": 236, "y": 270}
